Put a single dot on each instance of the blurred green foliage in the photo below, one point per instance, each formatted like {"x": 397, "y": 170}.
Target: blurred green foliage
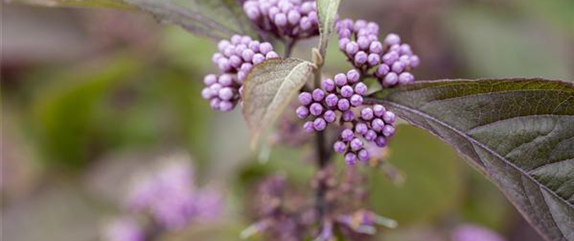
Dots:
{"x": 433, "y": 184}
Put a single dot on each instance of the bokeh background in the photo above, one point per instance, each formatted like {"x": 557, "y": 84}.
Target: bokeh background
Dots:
{"x": 90, "y": 96}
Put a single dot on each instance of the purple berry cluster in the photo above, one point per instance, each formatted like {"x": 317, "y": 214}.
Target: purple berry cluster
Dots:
{"x": 390, "y": 59}
{"x": 339, "y": 94}
{"x": 235, "y": 59}
{"x": 291, "y": 18}
{"x": 375, "y": 124}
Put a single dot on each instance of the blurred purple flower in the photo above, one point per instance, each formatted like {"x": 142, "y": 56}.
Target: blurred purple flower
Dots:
{"x": 469, "y": 232}
{"x": 170, "y": 197}
{"x": 123, "y": 229}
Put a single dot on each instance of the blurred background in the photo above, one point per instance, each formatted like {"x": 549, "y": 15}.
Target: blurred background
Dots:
{"x": 90, "y": 97}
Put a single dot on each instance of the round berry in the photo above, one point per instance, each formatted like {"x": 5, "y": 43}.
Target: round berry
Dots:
{"x": 305, "y": 98}
{"x": 343, "y": 104}
{"x": 347, "y": 135}
{"x": 331, "y": 100}
{"x": 329, "y": 116}
{"x": 340, "y": 80}
{"x": 318, "y": 94}
{"x": 319, "y": 124}
{"x": 302, "y": 112}
{"x": 353, "y": 76}
{"x": 339, "y": 147}
{"x": 316, "y": 109}
{"x": 348, "y": 116}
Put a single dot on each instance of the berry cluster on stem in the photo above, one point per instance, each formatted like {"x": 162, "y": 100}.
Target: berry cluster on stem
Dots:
{"x": 235, "y": 59}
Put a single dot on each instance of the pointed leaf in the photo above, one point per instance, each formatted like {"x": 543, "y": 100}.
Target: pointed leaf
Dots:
{"x": 327, "y": 11}
{"x": 269, "y": 88}
{"x": 518, "y": 132}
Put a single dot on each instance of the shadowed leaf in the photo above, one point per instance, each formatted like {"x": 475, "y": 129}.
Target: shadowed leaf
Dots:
{"x": 215, "y": 19}
{"x": 518, "y": 132}
{"x": 269, "y": 88}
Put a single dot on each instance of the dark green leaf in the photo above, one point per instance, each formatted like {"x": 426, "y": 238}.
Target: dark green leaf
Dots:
{"x": 518, "y": 132}
{"x": 327, "y": 11}
{"x": 216, "y": 19}
{"x": 268, "y": 89}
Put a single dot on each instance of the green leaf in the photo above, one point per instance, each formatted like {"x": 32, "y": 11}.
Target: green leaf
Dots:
{"x": 327, "y": 11}
{"x": 215, "y": 19}
{"x": 518, "y": 132}
{"x": 75, "y": 3}
{"x": 268, "y": 89}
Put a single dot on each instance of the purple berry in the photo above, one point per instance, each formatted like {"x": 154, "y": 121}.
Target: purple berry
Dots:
{"x": 308, "y": 126}
{"x": 343, "y": 43}
{"x": 363, "y": 43}
{"x": 343, "y": 104}
{"x": 225, "y": 106}
{"x": 381, "y": 141}
{"x": 339, "y": 147}
{"x": 356, "y": 100}
{"x": 373, "y": 59}
{"x": 319, "y": 124}
{"x": 293, "y": 17}
{"x": 265, "y": 48}
{"x": 389, "y": 117}
{"x": 340, "y": 80}
{"x": 377, "y": 124}
{"x": 361, "y": 88}
{"x": 347, "y": 135}
{"x": 388, "y": 130}
{"x": 302, "y": 112}
{"x": 361, "y": 128}
{"x": 316, "y": 109}
{"x": 254, "y": 46}
{"x": 367, "y": 114}
{"x": 351, "y": 158}
{"x": 271, "y": 55}
{"x": 363, "y": 155}
{"x": 280, "y": 19}
{"x": 329, "y": 116}
{"x": 247, "y": 55}
{"x": 347, "y": 91}
{"x": 392, "y": 39}
{"x": 328, "y": 85}
{"x": 414, "y": 61}
{"x": 348, "y": 116}
{"x": 390, "y": 58}
{"x": 406, "y": 49}
{"x": 225, "y": 80}
{"x": 376, "y": 47}
{"x": 352, "y": 48}
{"x": 371, "y": 135}
{"x": 305, "y": 98}
{"x": 398, "y": 67}
{"x": 318, "y": 94}
{"x": 406, "y": 78}
{"x": 331, "y": 100}
{"x": 360, "y": 58}
{"x": 206, "y": 93}
{"x": 214, "y": 103}
{"x": 353, "y": 76}
{"x": 210, "y": 79}
{"x": 391, "y": 79}
{"x": 226, "y": 93}
{"x": 382, "y": 70}
{"x": 258, "y": 58}
{"x": 356, "y": 144}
